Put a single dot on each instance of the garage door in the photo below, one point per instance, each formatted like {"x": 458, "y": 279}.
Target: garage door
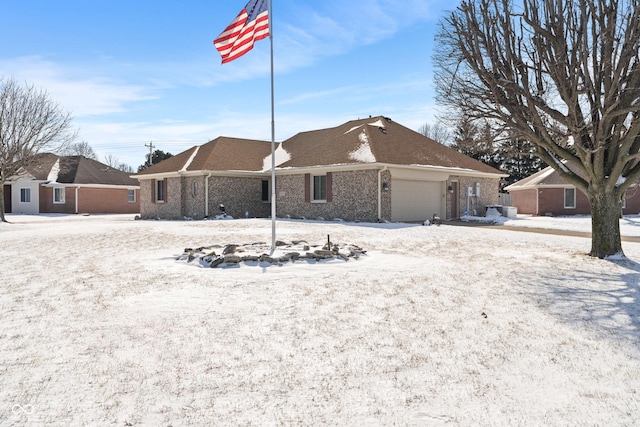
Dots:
{"x": 415, "y": 200}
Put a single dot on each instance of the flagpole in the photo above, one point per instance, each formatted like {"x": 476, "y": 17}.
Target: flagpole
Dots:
{"x": 273, "y": 137}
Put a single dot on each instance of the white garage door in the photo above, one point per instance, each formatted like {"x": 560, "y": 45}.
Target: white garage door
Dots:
{"x": 415, "y": 200}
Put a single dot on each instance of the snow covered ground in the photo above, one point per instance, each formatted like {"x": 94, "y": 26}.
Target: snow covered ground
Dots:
{"x": 438, "y": 325}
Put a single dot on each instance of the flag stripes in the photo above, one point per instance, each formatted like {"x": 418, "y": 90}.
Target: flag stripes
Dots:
{"x": 251, "y": 25}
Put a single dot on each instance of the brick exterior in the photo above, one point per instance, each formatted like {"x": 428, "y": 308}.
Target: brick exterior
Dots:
{"x": 90, "y": 200}
{"x": 551, "y": 202}
{"x": 239, "y": 195}
{"x": 355, "y": 197}
{"x": 168, "y": 209}
{"x": 489, "y": 189}
{"x": 525, "y": 201}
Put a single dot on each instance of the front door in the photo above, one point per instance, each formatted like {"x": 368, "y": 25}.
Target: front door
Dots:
{"x": 454, "y": 200}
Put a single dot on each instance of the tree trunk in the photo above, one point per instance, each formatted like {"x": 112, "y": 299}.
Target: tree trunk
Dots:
{"x": 606, "y": 208}
{"x": 2, "y": 206}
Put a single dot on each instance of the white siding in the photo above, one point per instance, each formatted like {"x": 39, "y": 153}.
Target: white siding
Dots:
{"x": 25, "y": 208}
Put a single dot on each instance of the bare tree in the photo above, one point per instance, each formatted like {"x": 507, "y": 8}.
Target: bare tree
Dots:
{"x": 561, "y": 74}
{"x": 114, "y": 162}
{"x": 80, "y": 149}
{"x": 30, "y": 122}
{"x": 437, "y": 132}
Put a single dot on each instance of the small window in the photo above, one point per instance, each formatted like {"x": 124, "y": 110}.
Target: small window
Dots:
{"x": 25, "y": 195}
{"x": 131, "y": 196}
{"x": 159, "y": 190}
{"x": 265, "y": 190}
{"x": 194, "y": 188}
{"x": 320, "y": 188}
{"x": 570, "y": 198}
{"x": 58, "y": 195}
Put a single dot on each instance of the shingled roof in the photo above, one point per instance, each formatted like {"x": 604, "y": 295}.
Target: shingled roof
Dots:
{"x": 546, "y": 177}
{"x": 374, "y": 140}
{"x": 220, "y": 154}
{"x": 76, "y": 170}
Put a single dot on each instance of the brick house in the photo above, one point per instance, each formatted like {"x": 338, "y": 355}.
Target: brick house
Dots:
{"x": 546, "y": 193}
{"x": 364, "y": 170}
{"x": 71, "y": 185}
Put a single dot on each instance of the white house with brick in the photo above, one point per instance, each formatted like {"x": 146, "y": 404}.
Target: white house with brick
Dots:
{"x": 71, "y": 185}
{"x": 363, "y": 170}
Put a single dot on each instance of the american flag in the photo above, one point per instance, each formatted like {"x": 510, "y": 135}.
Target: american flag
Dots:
{"x": 251, "y": 25}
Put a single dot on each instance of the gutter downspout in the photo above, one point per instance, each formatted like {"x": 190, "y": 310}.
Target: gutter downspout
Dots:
{"x": 206, "y": 195}
{"x": 77, "y": 189}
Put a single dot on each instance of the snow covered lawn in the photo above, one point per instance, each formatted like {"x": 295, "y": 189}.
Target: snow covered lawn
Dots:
{"x": 100, "y": 325}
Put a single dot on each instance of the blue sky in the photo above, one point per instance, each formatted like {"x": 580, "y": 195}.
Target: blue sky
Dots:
{"x": 135, "y": 72}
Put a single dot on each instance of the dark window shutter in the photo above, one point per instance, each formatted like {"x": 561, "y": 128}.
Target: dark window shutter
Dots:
{"x": 153, "y": 191}
{"x": 165, "y": 193}
{"x": 307, "y": 188}
{"x": 329, "y": 187}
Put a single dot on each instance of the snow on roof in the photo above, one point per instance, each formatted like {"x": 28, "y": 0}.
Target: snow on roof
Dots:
{"x": 281, "y": 156}
{"x": 352, "y": 129}
{"x": 188, "y": 163}
{"x": 363, "y": 153}
{"x": 55, "y": 170}
{"x": 377, "y": 124}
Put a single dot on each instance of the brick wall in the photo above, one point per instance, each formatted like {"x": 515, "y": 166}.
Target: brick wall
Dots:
{"x": 169, "y": 209}
{"x": 107, "y": 200}
{"x": 525, "y": 201}
{"x": 354, "y": 197}
{"x": 239, "y": 195}
{"x": 193, "y": 197}
{"x": 489, "y": 189}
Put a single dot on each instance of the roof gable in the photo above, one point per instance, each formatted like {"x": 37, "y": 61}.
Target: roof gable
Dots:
{"x": 545, "y": 177}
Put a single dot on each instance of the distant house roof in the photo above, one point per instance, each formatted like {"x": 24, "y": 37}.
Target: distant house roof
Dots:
{"x": 374, "y": 140}
{"x": 547, "y": 177}
{"x": 220, "y": 154}
{"x": 79, "y": 170}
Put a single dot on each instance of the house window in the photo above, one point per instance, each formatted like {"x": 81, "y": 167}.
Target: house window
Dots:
{"x": 265, "y": 190}
{"x": 25, "y": 195}
{"x": 319, "y": 188}
{"x": 159, "y": 191}
{"x": 58, "y": 195}
{"x": 131, "y": 196}
{"x": 569, "y": 198}
{"x": 194, "y": 188}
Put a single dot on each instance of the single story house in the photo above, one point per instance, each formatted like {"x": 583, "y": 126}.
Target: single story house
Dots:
{"x": 71, "y": 185}
{"x": 363, "y": 170}
{"x": 547, "y": 193}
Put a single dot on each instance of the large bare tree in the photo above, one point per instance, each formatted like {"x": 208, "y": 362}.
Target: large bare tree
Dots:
{"x": 80, "y": 149}
{"x": 30, "y": 123}
{"x": 562, "y": 74}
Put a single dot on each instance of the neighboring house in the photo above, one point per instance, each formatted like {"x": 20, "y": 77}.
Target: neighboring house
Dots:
{"x": 364, "y": 170}
{"x": 546, "y": 193}
{"x": 71, "y": 184}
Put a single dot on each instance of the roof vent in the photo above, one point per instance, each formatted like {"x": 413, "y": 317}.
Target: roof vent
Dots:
{"x": 388, "y": 119}
{"x": 381, "y": 129}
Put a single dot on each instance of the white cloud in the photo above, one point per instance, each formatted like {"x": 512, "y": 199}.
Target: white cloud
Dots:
{"x": 83, "y": 93}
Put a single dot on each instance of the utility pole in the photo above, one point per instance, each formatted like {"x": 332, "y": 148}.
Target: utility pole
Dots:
{"x": 151, "y": 147}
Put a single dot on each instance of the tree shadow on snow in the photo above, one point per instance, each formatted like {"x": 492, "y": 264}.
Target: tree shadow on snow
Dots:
{"x": 607, "y": 301}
